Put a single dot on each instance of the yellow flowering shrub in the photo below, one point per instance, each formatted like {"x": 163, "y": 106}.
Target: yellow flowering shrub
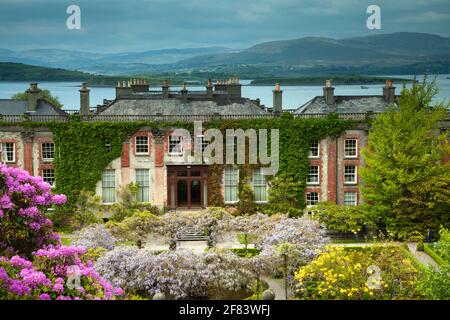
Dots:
{"x": 380, "y": 273}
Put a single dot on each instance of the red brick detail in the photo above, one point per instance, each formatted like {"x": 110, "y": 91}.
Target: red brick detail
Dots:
{"x": 159, "y": 154}
{"x": 28, "y": 156}
{"x": 125, "y": 156}
{"x": 332, "y": 156}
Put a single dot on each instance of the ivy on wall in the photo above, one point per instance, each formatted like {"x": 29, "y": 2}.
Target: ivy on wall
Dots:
{"x": 80, "y": 154}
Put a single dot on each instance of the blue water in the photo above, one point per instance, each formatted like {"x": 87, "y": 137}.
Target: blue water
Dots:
{"x": 293, "y": 96}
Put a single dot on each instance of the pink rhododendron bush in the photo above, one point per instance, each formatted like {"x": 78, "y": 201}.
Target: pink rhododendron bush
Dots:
{"x": 56, "y": 273}
{"x": 33, "y": 264}
{"x": 23, "y": 198}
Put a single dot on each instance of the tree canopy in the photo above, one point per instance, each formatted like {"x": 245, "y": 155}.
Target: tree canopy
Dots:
{"x": 406, "y": 178}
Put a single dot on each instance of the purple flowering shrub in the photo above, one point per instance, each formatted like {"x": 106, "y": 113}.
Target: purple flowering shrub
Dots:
{"x": 179, "y": 274}
{"x": 33, "y": 264}
{"x": 23, "y": 198}
{"x": 57, "y": 273}
{"x": 95, "y": 236}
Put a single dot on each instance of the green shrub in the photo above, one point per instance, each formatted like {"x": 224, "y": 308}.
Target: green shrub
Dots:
{"x": 420, "y": 246}
{"x": 430, "y": 251}
{"x": 241, "y": 252}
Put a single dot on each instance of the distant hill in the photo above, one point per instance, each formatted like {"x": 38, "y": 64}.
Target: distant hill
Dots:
{"x": 313, "y": 81}
{"x": 384, "y": 50}
{"x": 24, "y": 72}
{"x": 103, "y": 63}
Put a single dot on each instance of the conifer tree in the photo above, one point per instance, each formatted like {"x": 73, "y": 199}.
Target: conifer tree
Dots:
{"x": 406, "y": 178}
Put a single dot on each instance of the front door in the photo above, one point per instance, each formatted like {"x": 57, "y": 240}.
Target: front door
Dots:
{"x": 187, "y": 187}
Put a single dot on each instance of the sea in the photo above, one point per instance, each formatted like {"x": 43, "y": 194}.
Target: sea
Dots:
{"x": 293, "y": 96}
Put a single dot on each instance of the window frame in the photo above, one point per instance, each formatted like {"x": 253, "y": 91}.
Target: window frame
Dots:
{"x": 5, "y": 152}
{"x": 355, "y": 203}
{"x": 170, "y": 152}
{"x": 108, "y": 145}
{"x": 309, "y": 193}
{"x": 310, "y": 155}
{"x": 313, "y": 183}
{"x": 141, "y": 144}
{"x": 202, "y": 143}
{"x": 109, "y": 187}
{"x": 356, "y": 149}
{"x": 235, "y": 186}
{"x": 265, "y": 185}
{"x": 142, "y": 188}
{"x": 45, "y": 152}
{"x": 44, "y": 176}
{"x": 355, "y": 181}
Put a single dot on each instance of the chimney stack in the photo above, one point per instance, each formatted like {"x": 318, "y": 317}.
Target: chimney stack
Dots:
{"x": 84, "y": 99}
{"x": 34, "y": 94}
{"x": 277, "y": 100}
{"x": 209, "y": 89}
{"x": 140, "y": 85}
{"x": 165, "y": 89}
{"x": 389, "y": 92}
{"x": 328, "y": 93}
{"x": 123, "y": 89}
{"x": 184, "y": 92}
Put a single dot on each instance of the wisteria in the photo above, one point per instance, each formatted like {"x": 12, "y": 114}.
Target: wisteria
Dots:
{"x": 23, "y": 198}
{"x": 178, "y": 274}
{"x": 95, "y": 236}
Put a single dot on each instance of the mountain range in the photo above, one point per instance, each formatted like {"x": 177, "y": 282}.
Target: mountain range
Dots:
{"x": 374, "y": 54}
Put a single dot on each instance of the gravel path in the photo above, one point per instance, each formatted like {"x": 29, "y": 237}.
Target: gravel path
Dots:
{"x": 423, "y": 258}
{"x": 277, "y": 286}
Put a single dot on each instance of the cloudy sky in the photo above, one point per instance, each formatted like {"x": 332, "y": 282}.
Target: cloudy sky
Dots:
{"x": 139, "y": 25}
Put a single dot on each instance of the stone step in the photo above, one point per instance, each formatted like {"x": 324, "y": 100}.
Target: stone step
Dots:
{"x": 192, "y": 238}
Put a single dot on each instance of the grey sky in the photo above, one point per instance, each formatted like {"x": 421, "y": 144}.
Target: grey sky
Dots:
{"x": 138, "y": 25}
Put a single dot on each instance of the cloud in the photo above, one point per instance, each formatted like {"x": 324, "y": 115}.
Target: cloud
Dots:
{"x": 138, "y": 25}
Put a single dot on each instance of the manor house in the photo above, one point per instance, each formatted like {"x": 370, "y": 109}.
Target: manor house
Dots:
{"x": 334, "y": 161}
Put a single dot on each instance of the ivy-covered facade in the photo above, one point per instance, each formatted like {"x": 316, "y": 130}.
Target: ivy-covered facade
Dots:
{"x": 101, "y": 150}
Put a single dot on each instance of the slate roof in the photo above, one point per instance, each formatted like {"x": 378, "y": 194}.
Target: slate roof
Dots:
{"x": 19, "y": 107}
{"x": 175, "y": 106}
{"x": 344, "y": 104}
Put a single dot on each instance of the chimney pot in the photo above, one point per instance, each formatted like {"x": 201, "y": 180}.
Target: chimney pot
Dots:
{"x": 209, "y": 89}
{"x": 165, "y": 89}
{"x": 84, "y": 99}
{"x": 389, "y": 92}
{"x": 328, "y": 93}
{"x": 277, "y": 99}
{"x": 34, "y": 94}
{"x": 184, "y": 92}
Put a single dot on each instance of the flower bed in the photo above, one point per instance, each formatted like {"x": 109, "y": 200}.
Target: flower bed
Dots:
{"x": 370, "y": 273}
